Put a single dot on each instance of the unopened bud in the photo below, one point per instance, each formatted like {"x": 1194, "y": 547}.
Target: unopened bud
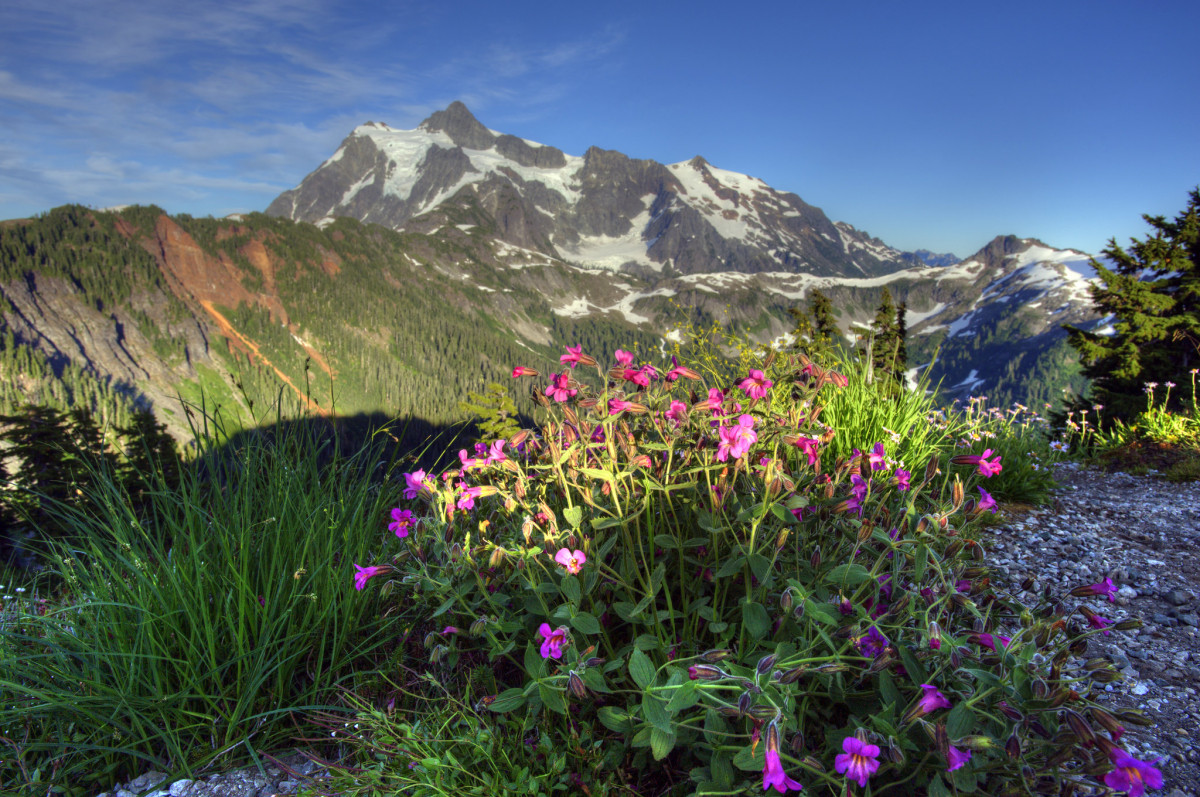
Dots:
{"x": 1128, "y": 625}
{"x": 765, "y": 664}
{"x": 1013, "y": 746}
{"x": 975, "y": 742}
{"x": 706, "y": 672}
{"x": 785, "y": 600}
{"x": 763, "y": 713}
{"x": 478, "y": 626}
{"x": 713, "y": 656}
{"x": 594, "y": 661}
{"x": 1133, "y": 716}
{"x": 744, "y": 702}
{"x": 792, "y": 675}
{"x": 497, "y": 557}
{"x": 1080, "y": 727}
{"x": 815, "y": 559}
{"x": 438, "y": 654}
{"x": 576, "y": 686}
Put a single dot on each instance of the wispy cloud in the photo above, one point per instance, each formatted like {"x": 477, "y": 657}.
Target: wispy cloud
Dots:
{"x": 158, "y": 102}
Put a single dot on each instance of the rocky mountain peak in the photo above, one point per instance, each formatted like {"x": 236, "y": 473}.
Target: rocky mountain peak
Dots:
{"x": 462, "y": 127}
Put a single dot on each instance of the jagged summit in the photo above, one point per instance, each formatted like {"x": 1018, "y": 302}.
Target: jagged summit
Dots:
{"x": 602, "y": 210}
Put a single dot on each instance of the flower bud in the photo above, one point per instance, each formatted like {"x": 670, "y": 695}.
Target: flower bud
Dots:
{"x": 1107, "y": 721}
{"x": 1128, "y": 625}
{"x": 713, "y": 656}
{"x": 792, "y": 675}
{"x": 785, "y": 600}
{"x": 706, "y": 672}
{"x": 1079, "y": 727}
{"x": 1134, "y": 716}
{"x": 975, "y": 742}
{"x": 438, "y": 654}
{"x": 744, "y": 702}
{"x": 764, "y": 713}
{"x": 797, "y": 743}
{"x": 765, "y": 664}
{"x": 478, "y": 626}
{"x": 576, "y": 687}
{"x": 497, "y": 557}
{"x": 815, "y": 559}
{"x": 1013, "y": 746}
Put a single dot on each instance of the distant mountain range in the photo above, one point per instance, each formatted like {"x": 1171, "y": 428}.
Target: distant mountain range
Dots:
{"x": 415, "y": 265}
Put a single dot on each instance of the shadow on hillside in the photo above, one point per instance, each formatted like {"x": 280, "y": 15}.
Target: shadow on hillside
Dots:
{"x": 406, "y": 443}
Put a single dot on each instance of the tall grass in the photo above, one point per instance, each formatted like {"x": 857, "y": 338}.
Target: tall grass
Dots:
{"x": 193, "y": 635}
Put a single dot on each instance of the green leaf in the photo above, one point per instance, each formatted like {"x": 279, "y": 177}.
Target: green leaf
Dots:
{"x": 756, "y": 620}
{"x": 595, "y": 473}
{"x": 614, "y": 719}
{"x": 508, "y": 700}
{"x": 823, "y": 613}
{"x": 685, "y": 696}
{"x": 605, "y": 523}
{"x": 888, "y": 691}
{"x": 535, "y": 665}
{"x": 921, "y": 561}
{"x": 573, "y": 515}
{"x": 721, "y": 767}
{"x": 444, "y": 607}
{"x": 916, "y": 670}
{"x": 654, "y": 710}
{"x": 960, "y": 721}
{"x": 645, "y": 642}
{"x": 781, "y": 512}
{"x": 667, "y": 542}
{"x": 751, "y": 759}
{"x": 661, "y": 743}
{"x": 715, "y": 728}
{"x": 656, "y": 578}
{"x": 570, "y": 588}
{"x": 641, "y": 669}
{"x": 965, "y": 780}
{"x": 848, "y": 575}
{"x": 732, "y": 565}
{"x": 595, "y": 680}
{"x": 760, "y": 566}
{"x": 552, "y": 699}
{"x": 717, "y": 627}
{"x": 938, "y": 788}
{"x": 585, "y": 623}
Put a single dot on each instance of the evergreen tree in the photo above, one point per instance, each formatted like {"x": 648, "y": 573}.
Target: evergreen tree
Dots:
{"x": 803, "y": 333}
{"x": 823, "y": 321}
{"x": 40, "y": 442}
{"x": 495, "y": 411}
{"x": 881, "y": 341}
{"x": 902, "y": 340}
{"x": 151, "y": 458}
{"x": 1153, "y": 297}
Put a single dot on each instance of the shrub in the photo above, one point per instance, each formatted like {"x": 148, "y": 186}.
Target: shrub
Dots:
{"x": 692, "y": 575}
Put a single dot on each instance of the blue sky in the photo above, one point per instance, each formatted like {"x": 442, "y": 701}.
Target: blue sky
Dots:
{"x": 929, "y": 125}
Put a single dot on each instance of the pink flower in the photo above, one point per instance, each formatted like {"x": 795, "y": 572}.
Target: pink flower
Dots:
{"x": 1132, "y": 775}
{"x": 986, "y": 469}
{"x": 902, "y": 478}
{"x": 989, "y": 641}
{"x": 859, "y": 762}
{"x": 878, "y": 457}
{"x": 736, "y": 440}
{"x": 859, "y": 487}
{"x": 552, "y": 641}
{"x": 931, "y": 699}
{"x": 756, "y": 385}
{"x": 956, "y": 758}
{"x": 365, "y": 574}
{"x": 496, "y": 452}
{"x": 678, "y": 370}
{"x": 617, "y": 406}
{"x": 623, "y": 357}
{"x": 573, "y": 562}
{"x": 809, "y": 446}
{"x": 1096, "y": 621}
{"x": 572, "y": 357}
{"x": 1106, "y": 588}
{"x": 521, "y": 370}
{"x": 774, "y": 776}
{"x": 416, "y": 483}
{"x": 402, "y": 522}
{"x": 449, "y": 630}
{"x": 560, "y": 387}
{"x": 638, "y": 376}
{"x": 466, "y": 501}
{"x": 677, "y": 412}
{"x": 986, "y": 501}
{"x": 467, "y": 462}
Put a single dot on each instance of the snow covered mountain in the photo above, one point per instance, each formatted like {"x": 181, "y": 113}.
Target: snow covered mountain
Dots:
{"x": 605, "y": 235}
{"x": 599, "y": 210}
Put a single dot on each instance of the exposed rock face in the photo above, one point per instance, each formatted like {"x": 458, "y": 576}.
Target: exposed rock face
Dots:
{"x": 601, "y": 210}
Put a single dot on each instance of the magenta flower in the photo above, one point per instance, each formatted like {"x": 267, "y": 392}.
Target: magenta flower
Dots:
{"x": 987, "y": 468}
{"x": 871, "y": 644}
{"x": 466, "y": 501}
{"x": 521, "y": 370}
{"x": 677, "y": 412}
{"x": 617, "y": 406}
{"x": 931, "y": 699}
{"x": 552, "y": 641}
{"x": 774, "y": 776}
{"x": 878, "y": 457}
{"x": 402, "y": 522}
{"x": 736, "y": 440}
{"x": 416, "y": 483}
{"x": 716, "y": 398}
{"x": 986, "y": 501}
{"x": 809, "y": 446}
{"x": 859, "y": 487}
{"x": 678, "y": 370}
{"x": 560, "y": 387}
{"x": 989, "y": 640}
{"x": 365, "y": 574}
{"x": 573, "y": 562}
{"x": 572, "y": 357}
{"x": 1096, "y": 621}
{"x": 956, "y": 758}
{"x": 623, "y": 357}
{"x": 638, "y": 376}
{"x": 1132, "y": 775}
{"x": 1106, "y": 588}
{"x": 859, "y": 762}
{"x": 496, "y": 452}
{"x": 756, "y": 385}
{"x": 902, "y": 479}
{"x": 467, "y": 462}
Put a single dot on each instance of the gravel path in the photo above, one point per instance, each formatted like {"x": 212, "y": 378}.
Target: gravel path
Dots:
{"x": 1141, "y": 531}
{"x": 1144, "y": 533}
